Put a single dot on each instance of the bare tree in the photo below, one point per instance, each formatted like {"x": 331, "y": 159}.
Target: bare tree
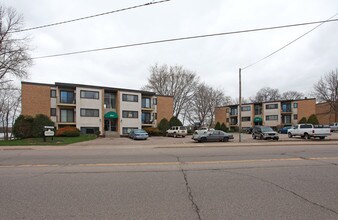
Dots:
{"x": 174, "y": 81}
{"x": 14, "y": 57}
{"x": 10, "y": 100}
{"x": 266, "y": 94}
{"x": 202, "y": 106}
{"x": 292, "y": 95}
{"x": 326, "y": 90}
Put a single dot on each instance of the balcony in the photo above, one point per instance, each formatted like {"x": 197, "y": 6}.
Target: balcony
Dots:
{"x": 66, "y": 103}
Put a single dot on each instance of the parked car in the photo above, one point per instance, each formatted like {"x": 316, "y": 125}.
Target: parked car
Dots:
{"x": 334, "y": 127}
{"x": 284, "y": 130}
{"x": 138, "y": 134}
{"x": 204, "y": 130}
{"x": 216, "y": 135}
{"x": 177, "y": 131}
{"x": 308, "y": 130}
{"x": 264, "y": 133}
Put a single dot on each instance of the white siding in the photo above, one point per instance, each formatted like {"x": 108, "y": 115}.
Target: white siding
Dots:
{"x": 272, "y": 112}
{"x": 130, "y": 106}
{"x": 89, "y": 104}
{"x": 54, "y": 105}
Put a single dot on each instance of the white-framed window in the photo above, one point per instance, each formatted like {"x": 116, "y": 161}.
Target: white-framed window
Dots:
{"x": 129, "y": 98}
{"x": 86, "y": 112}
{"x": 89, "y": 94}
{"x": 271, "y": 106}
{"x": 129, "y": 114}
{"x": 271, "y": 118}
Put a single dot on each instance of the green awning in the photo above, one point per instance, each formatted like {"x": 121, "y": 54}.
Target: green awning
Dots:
{"x": 258, "y": 119}
{"x": 111, "y": 115}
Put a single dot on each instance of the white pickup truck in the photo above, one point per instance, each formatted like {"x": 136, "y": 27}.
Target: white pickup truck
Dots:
{"x": 308, "y": 130}
{"x": 334, "y": 126}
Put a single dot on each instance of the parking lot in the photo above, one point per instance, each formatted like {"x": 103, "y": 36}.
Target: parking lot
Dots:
{"x": 157, "y": 140}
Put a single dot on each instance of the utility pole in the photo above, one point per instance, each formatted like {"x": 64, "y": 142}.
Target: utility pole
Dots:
{"x": 240, "y": 107}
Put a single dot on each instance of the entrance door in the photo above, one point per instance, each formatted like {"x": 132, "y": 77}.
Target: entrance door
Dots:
{"x": 113, "y": 124}
{"x": 106, "y": 124}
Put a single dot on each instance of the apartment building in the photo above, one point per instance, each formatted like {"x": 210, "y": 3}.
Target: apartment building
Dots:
{"x": 272, "y": 113}
{"x": 326, "y": 114}
{"x": 95, "y": 108}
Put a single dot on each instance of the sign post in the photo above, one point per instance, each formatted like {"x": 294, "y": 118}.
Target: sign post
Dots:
{"x": 48, "y": 131}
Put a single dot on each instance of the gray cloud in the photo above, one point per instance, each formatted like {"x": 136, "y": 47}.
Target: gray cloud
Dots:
{"x": 216, "y": 60}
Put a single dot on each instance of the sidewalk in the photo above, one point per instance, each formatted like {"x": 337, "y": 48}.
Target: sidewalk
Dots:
{"x": 170, "y": 142}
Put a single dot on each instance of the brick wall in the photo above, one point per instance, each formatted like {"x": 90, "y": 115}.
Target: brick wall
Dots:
{"x": 306, "y": 108}
{"x": 35, "y": 99}
{"x": 165, "y": 107}
{"x": 220, "y": 115}
{"x": 325, "y": 114}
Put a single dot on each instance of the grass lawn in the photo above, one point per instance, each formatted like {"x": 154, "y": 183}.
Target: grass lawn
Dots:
{"x": 49, "y": 141}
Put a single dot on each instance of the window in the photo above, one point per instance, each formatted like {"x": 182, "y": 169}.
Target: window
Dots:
{"x": 227, "y": 120}
{"x": 306, "y": 126}
{"x": 53, "y": 93}
{"x": 85, "y": 112}
{"x": 271, "y": 106}
{"x": 227, "y": 110}
{"x": 146, "y": 103}
{"x": 90, "y": 130}
{"x": 154, "y": 101}
{"x": 271, "y": 117}
{"x": 246, "y": 119}
{"x": 295, "y": 117}
{"x": 53, "y": 112}
{"x": 295, "y": 105}
{"x": 233, "y": 111}
{"x": 146, "y": 118}
{"x": 110, "y": 100}
{"x": 89, "y": 94}
{"x": 246, "y": 108}
{"x": 129, "y": 114}
{"x": 67, "y": 115}
{"x": 129, "y": 98}
{"x": 67, "y": 97}
{"x": 126, "y": 130}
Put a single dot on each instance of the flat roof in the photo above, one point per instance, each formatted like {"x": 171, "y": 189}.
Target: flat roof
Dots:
{"x": 253, "y": 103}
{"x": 61, "y": 84}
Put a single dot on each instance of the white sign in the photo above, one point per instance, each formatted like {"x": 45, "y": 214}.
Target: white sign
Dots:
{"x": 49, "y": 133}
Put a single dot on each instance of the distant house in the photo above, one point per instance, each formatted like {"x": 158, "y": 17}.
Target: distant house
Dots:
{"x": 95, "y": 108}
{"x": 271, "y": 113}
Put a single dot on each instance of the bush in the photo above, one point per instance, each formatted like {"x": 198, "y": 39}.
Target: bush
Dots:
{"x": 174, "y": 121}
{"x": 313, "y": 120}
{"x": 218, "y": 126}
{"x": 68, "y": 132}
{"x": 39, "y": 122}
{"x": 163, "y": 126}
{"x": 22, "y": 127}
{"x": 152, "y": 131}
{"x": 302, "y": 121}
{"x": 223, "y": 127}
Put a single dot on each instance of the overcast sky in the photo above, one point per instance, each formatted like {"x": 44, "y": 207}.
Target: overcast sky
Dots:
{"x": 215, "y": 60}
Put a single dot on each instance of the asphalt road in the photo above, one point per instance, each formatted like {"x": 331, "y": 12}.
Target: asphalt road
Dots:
{"x": 260, "y": 182}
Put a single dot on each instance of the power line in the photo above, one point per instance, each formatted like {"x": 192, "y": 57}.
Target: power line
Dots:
{"x": 184, "y": 38}
{"x": 91, "y": 16}
{"x": 288, "y": 44}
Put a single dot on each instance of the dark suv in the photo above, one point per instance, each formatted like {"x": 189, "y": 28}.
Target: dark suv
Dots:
{"x": 264, "y": 133}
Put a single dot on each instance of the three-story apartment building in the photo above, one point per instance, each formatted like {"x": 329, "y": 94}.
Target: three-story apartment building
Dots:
{"x": 95, "y": 108}
{"x": 272, "y": 113}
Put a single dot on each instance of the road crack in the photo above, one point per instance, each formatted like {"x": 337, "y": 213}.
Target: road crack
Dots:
{"x": 289, "y": 191}
{"x": 189, "y": 191}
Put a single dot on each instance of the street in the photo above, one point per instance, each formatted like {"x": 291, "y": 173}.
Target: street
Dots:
{"x": 240, "y": 182}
